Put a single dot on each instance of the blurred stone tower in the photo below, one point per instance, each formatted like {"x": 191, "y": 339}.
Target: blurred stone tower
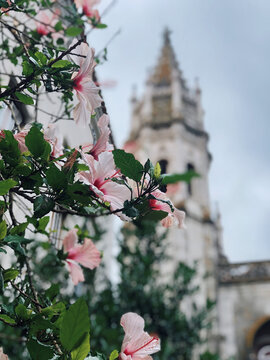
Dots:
{"x": 167, "y": 126}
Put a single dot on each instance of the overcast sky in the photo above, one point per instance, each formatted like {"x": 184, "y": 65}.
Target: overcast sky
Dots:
{"x": 226, "y": 43}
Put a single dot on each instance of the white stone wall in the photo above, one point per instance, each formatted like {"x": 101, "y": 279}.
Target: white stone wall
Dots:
{"x": 240, "y": 306}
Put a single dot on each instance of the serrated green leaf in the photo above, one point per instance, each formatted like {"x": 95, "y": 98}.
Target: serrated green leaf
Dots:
{"x": 61, "y": 64}
{"x": 26, "y": 99}
{"x": 73, "y": 31}
{"x": 43, "y": 205}
{"x": 82, "y": 351}
{"x": 36, "y": 144}
{"x": 75, "y": 325}
{"x": 128, "y": 165}
{"x": 6, "y": 185}
{"x": 56, "y": 178}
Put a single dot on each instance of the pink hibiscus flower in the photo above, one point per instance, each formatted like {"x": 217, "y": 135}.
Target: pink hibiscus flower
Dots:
{"x": 86, "y": 90}
{"x": 99, "y": 180}
{"x": 45, "y": 22}
{"x": 102, "y": 143}
{"x": 2, "y": 355}
{"x": 55, "y": 138}
{"x": 177, "y": 216}
{"x": 51, "y": 135}
{"x": 88, "y": 8}
{"x": 85, "y": 254}
{"x": 20, "y": 137}
{"x": 137, "y": 344}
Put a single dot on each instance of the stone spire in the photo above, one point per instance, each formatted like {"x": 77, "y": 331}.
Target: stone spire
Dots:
{"x": 162, "y": 73}
{"x": 167, "y": 98}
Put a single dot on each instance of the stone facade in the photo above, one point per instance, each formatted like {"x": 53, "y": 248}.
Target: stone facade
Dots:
{"x": 167, "y": 126}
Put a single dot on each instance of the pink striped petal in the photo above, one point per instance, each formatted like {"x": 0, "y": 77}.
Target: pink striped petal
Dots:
{"x": 70, "y": 240}
{"x": 76, "y": 272}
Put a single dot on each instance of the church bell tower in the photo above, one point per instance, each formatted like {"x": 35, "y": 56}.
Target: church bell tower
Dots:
{"x": 167, "y": 126}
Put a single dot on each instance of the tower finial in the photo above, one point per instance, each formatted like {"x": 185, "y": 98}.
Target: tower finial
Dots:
{"x": 166, "y": 35}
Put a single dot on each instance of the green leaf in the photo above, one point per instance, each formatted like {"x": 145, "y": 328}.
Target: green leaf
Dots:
{"x": 61, "y": 64}
{"x": 7, "y": 319}
{"x": 43, "y": 222}
{"x": 54, "y": 309}
{"x": 56, "y": 178}
{"x": 155, "y": 215}
{"x": 53, "y": 291}
{"x": 42, "y": 59}
{"x": 16, "y": 239}
{"x": 21, "y": 312}
{"x": 4, "y": 4}
{"x": 10, "y": 274}
{"x": 3, "y": 229}
{"x": 1, "y": 282}
{"x": 27, "y": 68}
{"x": 26, "y": 99}
{"x": 80, "y": 193}
{"x": 174, "y": 178}
{"x": 39, "y": 351}
{"x": 114, "y": 355}
{"x": 6, "y": 185}
{"x": 128, "y": 165}
{"x": 43, "y": 205}
{"x": 19, "y": 229}
{"x": 82, "y": 351}
{"x": 75, "y": 325}
{"x": 9, "y": 149}
{"x": 36, "y": 144}
{"x": 101, "y": 26}
{"x": 58, "y": 26}
{"x": 73, "y": 31}
{"x": 130, "y": 210}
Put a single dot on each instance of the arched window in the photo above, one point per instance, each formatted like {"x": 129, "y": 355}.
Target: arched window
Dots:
{"x": 163, "y": 165}
{"x": 261, "y": 342}
{"x": 190, "y": 167}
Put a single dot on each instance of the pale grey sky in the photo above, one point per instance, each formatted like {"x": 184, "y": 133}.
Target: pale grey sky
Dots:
{"x": 226, "y": 43}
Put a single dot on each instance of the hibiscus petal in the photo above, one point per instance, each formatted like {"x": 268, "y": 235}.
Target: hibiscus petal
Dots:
{"x": 103, "y": 141}
{"x": 87, "y": 254}
{"x": 76, "y": 272}
{"x": 180, "y": 218}
{"x": 81, "y": 112}
{"x": 143, "y": 346}
{"x": 91, "y": 93}
{"x": 105, "y": 166}
{"x": 133, "y": 324}
{"x": 70, "y": 240}
{"x": 116, "y": 194}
